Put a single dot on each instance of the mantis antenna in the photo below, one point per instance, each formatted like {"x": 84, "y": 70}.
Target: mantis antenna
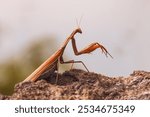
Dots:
{"x": 80, "y": 20}
{"x": 78, "y": 23}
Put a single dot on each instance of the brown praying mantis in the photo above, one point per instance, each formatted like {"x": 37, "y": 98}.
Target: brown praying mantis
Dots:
{"x": 52, "y": 62}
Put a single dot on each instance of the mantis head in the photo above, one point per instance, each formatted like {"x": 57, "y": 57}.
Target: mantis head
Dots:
{"x": 78, "y": 30}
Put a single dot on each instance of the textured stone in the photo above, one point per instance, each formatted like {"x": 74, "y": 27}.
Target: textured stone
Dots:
{"x": 78, "y": 85}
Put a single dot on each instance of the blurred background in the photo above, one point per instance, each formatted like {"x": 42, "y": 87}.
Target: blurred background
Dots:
{"x": 31, "y": 30}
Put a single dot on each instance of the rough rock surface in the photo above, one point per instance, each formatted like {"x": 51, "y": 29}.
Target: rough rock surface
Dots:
{"x": 78, "y": 85}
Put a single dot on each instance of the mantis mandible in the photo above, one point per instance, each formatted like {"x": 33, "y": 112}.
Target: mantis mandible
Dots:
{"x": 58, "y": 56}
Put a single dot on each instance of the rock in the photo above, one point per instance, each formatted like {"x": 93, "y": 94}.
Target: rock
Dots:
{"x": 80, "y": 85}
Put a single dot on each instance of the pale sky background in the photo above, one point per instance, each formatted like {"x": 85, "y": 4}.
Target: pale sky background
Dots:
{"x": 122, "y": 26}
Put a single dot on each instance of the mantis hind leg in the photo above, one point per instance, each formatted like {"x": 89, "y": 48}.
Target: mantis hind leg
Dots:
{"x": 57, "y": 77}
{"x": 72, "y": 62}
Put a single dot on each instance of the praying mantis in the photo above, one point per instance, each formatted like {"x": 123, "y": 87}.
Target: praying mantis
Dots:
{"x": 52, "y": 62}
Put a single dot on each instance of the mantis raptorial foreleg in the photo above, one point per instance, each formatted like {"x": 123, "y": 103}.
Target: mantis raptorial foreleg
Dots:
{"x": 89, "y": 48}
